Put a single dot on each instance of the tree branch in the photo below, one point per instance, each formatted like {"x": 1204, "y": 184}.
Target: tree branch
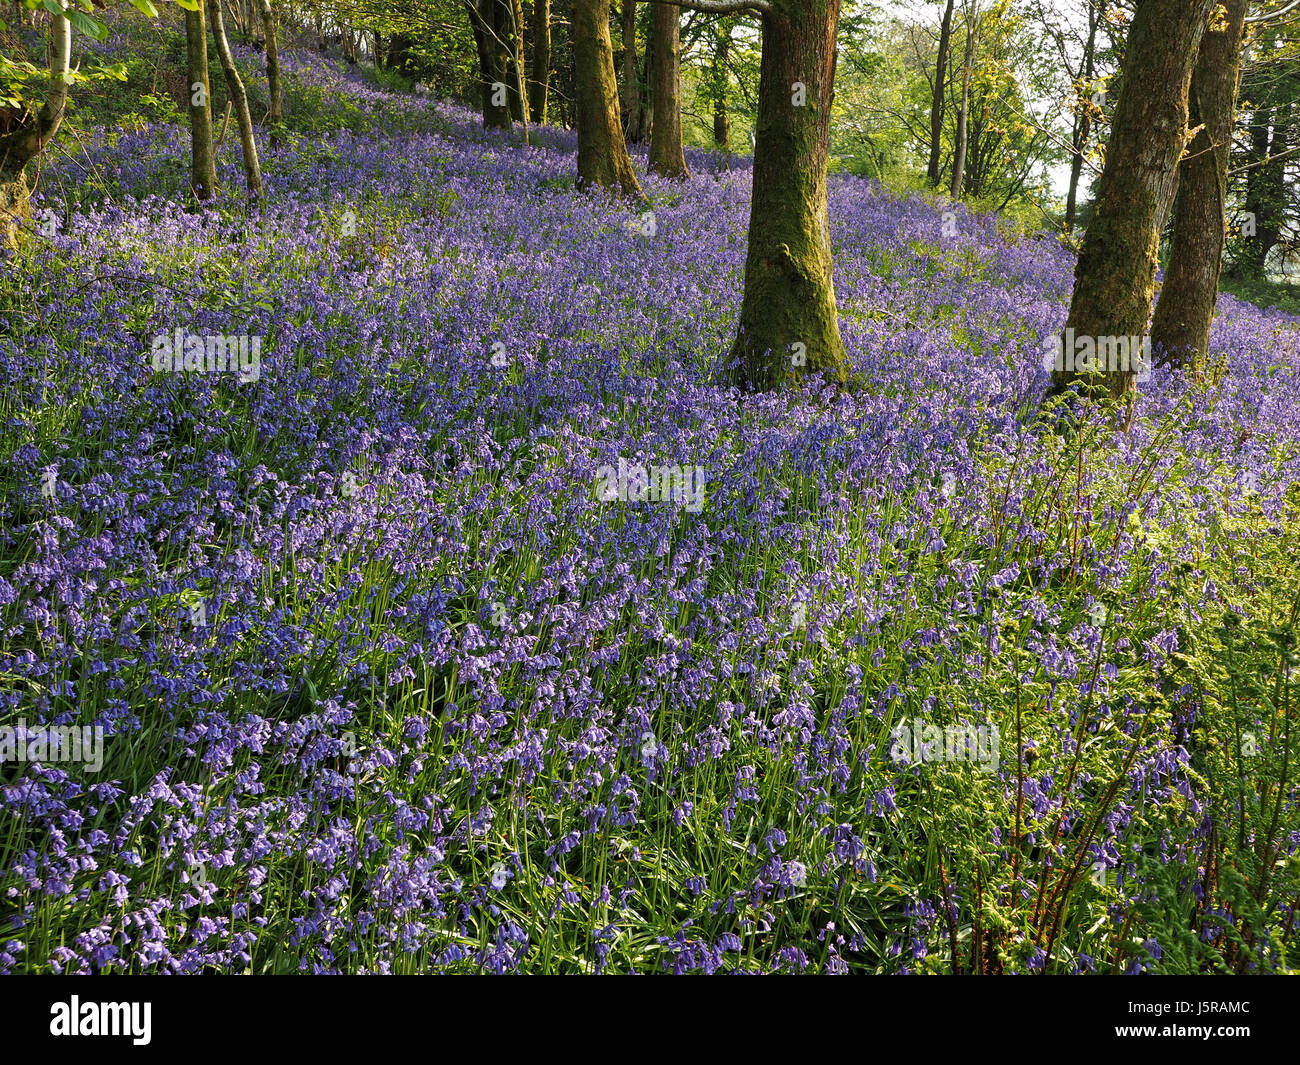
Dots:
{"x": 724, "y": 7}
{"x": 1254, "y": 20}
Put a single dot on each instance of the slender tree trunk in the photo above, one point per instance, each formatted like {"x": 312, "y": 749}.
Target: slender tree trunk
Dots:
{"x": 1115, "y": 278}
{"x": 602, "y": 153}
{"x": 1186, "y": 308}
{"x": 789, "y": 324}
{"x": 667, "y": 156}
{"x": 719, "y": 77}
{"x": 20, "y": 146}
{"x": 275, "y": 115}
{"x": 514, "y": 11}
{"x": 963, "y": 113}
{"x": 634, "y": 123}
{"x": 1083, "y": 124}
{"x": 541, "y": 60}
{"x": 203, "y": 163}
{"x": 937, "y": 99}
{"x": 239, "y": 98}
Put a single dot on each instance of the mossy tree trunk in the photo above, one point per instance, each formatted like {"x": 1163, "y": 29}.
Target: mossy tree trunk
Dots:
{"x": 538, "y": 98}
{"x": 667, "y": 157}
{"x": 789, "y": 324}
{"x": 203, "y": 162}
{"x": 239, "y": 98}
{"x": 1186, "y": 308}
{"x": 602, "y": 153}
{"x": 1114, "y": 281}
{"x": 20, "y": 146}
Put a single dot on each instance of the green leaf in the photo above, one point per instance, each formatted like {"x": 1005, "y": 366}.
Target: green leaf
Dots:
{"x": 189, "y": 5}
{"x": 87, "y": 25}
{"x": 145, "y": 7}
{"x": 54, "y": 7}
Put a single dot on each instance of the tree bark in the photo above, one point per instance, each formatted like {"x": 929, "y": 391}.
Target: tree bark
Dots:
{"x": 239, "y": 98}
{"x": 20, "y": 146}
{"x": 789, "y": 323}
{"x": 602, "y": 153}
{"x": 1181, "y": 329}
{"x": 541, "y": 60}
{"x": 203, "y": 164}
{"x": 937, "y": 99}
{"x": 275, "y": 114}
{"x": 1114, "y": 280}
{"x": 667, "y": 157}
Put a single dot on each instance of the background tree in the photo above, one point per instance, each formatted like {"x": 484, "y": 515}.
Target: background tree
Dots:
{"x": 275, "y": 92}
{"x": 938, "y": 95}
{"x": 667, "y": 156}
{"x": 541, "y": 29}
{"x": 25, "y": 134}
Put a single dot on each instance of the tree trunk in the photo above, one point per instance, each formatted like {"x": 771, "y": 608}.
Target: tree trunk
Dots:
{"x": 239, "y": 98}
{"x": 541, "y": 60}
{"x": 1266, "y": 192}
{"x": 936, "y": 100}
{"x": 1115, "y": 277}
{"x": 203, "y": 164}
{"x": 1083, "y": 124}
{"x": 494, "y": 61}
{"x": 602, "y": 153}
{"x": 645, "y": 85}
{"x": 20, "y": 146}
{"x": 667, "y": 156}
{"x": 719, "y": 76}
{"x": 1181, "y": 329}
{"x": 514, "y": 10}
{"x": 275, "y": 114}
{"x": 634, "y": 123}
{"x": 963, "y": 113}
{"x": 789, "y": 324}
